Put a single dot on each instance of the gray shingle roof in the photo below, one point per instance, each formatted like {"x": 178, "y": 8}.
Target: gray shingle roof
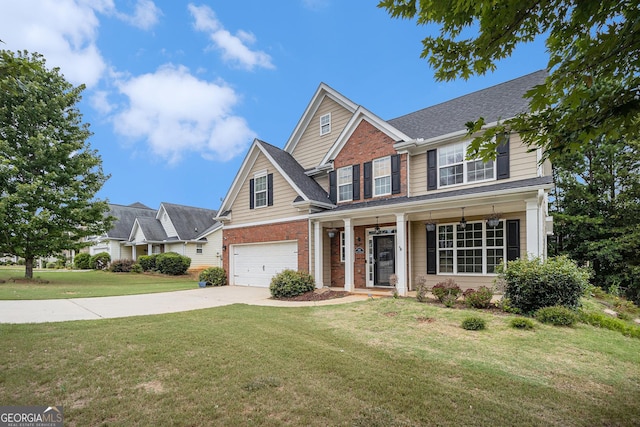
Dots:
{"x": 311, "y": 189}
{"x": 152, "y": 229}
{"x": 494, "y": 103}
{"x": 189, "y": 221}
{"x": 126, "y": 215}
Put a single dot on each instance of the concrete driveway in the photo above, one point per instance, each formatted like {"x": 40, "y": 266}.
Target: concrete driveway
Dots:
{"x": 61, "y": 310}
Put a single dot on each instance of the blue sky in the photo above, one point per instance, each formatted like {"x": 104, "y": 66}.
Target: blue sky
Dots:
{"x": 176, "y": 91}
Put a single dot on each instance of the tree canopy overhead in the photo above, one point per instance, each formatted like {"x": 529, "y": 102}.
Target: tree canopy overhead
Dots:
{"x": 593, "y": 87}
{"x": 49, "y": 175}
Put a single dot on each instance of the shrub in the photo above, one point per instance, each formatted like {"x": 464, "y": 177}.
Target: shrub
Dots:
{"x": 480, "y": 298}
{"x": 82, "y": 261}
{"x": 532, "y": 284}
{"x": 172, "y": 263}
{"x": 136, "y": 268}
{"x": 504, "y": 304}
{"x": 121, "y": 265}
{"x": 215, "y": 276}
{"x": 290, "y": 283}
{"x": 100, "y": 261}
{"x": 51, "y": 264}
{"x": 521, "y": 323}
{"x": 447, "y": 292}
{"x": 557, "y": 315}
{"x": 421, "y": 289}
{"x": 603, "y": 321}
{"x": 474, "y": 324}
{"x": 148, "y": 262}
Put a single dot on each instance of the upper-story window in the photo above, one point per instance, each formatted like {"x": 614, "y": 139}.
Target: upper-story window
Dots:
{"x": 325, "y": 124}
{"x": 260, "y": 191}
{"x": 453, "y": 168}
{"x": 382, "y": 176}
{"x": 345, "y": 184}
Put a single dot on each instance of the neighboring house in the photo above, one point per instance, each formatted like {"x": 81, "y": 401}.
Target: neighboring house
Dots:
{"x": 140, "y": 230}
{"x": 357, "y": 200}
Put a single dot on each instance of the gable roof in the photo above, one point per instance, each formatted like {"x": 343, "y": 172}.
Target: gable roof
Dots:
{"x": 495, "y": 103}
{"x": 125, "y": 217}
{"x": 151, "y": 228}
{"x": 323, "y": 91}
{"x": 189, "y": 221}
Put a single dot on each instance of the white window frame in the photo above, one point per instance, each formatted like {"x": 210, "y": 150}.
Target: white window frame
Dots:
{"x": 199, "y": 248}
{"x": 348, "y": 183}
{"x": 376, "y": 177}
{"x": 455, "y": 248}
{"x": 465, "y": 166}
{"x": 325, "y": 124}
{"x": 342, "y": 246}
{"x": 256, "y": 192}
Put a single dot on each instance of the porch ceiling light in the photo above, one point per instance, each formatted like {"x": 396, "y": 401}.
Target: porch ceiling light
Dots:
{"x": 494, "y": 219}
{"x": 431, "y": 226}
{"x": 463, "y": 222}
{"x": 332, "y": 232}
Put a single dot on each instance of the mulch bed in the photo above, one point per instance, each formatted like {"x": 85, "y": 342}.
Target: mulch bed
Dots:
{"x": 317, "y": 296}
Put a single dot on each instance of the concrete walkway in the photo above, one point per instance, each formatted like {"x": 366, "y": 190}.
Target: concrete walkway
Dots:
{"x": 61, "y": 310}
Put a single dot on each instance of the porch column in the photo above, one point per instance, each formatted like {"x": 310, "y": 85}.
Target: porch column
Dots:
{"x": 534, "y": 248}
{"x": 317, "y": 252}
{"x": 133, "y": 252}
{"x": 348, "y": 255}
{"x": 149, "y": 249}
{"x": 401, "y": 254}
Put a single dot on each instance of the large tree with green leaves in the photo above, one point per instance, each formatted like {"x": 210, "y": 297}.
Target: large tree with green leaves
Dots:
{"x": 593, "y": 88}
{"x": 49, "y": 175}
{"x": 596, "y": 207}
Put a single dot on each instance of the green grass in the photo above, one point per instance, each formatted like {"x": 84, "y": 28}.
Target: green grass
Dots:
{"x": 81, "y": 284}
{"x": 380, "y": 362}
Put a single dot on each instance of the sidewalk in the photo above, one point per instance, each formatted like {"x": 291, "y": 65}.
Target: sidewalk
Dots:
{"x": 61, "y": 310}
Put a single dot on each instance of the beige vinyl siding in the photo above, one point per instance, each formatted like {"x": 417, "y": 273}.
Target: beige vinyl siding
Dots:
{"x": 175, "y": 247}
{"x": 210, "y": 250}
{"x": 312, "y": 147}
{"x": 139, "y": 236}
{"x": 465, "y": 281}
{"x": 522, "y": 165}
{"x": 323, "y": 180}
{"x": 165, "y": 220}
{"x": 283, "y": 197}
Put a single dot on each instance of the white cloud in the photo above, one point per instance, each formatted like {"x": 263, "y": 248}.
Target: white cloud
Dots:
{"x": 177, "y": 113}
{"x": 100, "y": 102}
{"x": 146, "y": 15}
{"x": 64, "y": 31}
{"x": 234, "y": 47}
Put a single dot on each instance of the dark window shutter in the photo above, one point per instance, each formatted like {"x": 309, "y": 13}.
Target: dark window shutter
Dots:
{"x": 251, "y": 206}
{"x": 431, "y": 252}
{"x": 368, "y": 189}
{"x": 432, "y": 170}
{"x": 502, "y": 158}
{"x": 395, "y": 174}
{"x": 513, "y": 239}
{"x": 355, "y": 171}
{"x": 270, "y": 189}
{"x": 333, "y": 188}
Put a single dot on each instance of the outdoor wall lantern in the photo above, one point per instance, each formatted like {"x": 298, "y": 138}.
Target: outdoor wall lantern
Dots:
{"x": 431, "y": 226}
{"x": 494, "y": 219}
{"x": 377, "y": 229}
{"x": 224, "y": 247}
{"x": 463, "y": 222}
{"x": 332, "y": 233}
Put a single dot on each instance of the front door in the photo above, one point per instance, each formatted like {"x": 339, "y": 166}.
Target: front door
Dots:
{"x": 384, "y": 250}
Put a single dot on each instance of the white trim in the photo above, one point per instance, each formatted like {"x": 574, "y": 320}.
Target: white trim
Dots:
{"x": 338, "y": 185}
{"x": 267, "y": 222}
{"x": 349, "y": 258}
{"x": 328, "y": 115}
{"x": 318, "y": 244}
{"x": 465, "y": 167}
{"x": 256, "y": 176}
{"x": 373, "y": 176}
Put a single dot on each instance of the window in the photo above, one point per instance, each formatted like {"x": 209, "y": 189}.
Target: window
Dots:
{"x": 476, "y": 249}
{"x": 342, "y": 246}
{"x": 198, "y": 248}
{"x": 325, "y": 124}
{"x": 345, "y": 184}
{"x": 382, "y": 176}
{"x": 454, "y": 169}
{"x": 260, "y": 191}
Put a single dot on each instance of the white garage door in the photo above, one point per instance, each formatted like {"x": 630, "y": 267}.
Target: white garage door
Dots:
{"x": 255, "y": 265}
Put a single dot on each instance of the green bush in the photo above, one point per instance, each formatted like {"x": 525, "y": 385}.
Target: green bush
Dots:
{"x": 521, "y": 323}
{"x": 82, "y": 261}
{"x": 602, "y": 320}
{"x": 531, "y": 284}
{"x": 51, "y": 264}
{"x": 121, "y": 266}
{"x": 447, "y": 292}
{"x": 480, "y": 298}
{"x": 556, "y": 315}
{"x": 100, "y": 261}
{"x": 474, "y": 324}
{"x": 172, "y": 263}
{"x": 148, "y": 262}
{"x": 136, "y": 268}
{"x": 290, "y": 283}
{"x": 215, "y": 276}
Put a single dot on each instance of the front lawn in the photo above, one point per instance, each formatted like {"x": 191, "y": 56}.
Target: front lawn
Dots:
{"x": 380, "y": 362}
{"x": 54, "y": 284}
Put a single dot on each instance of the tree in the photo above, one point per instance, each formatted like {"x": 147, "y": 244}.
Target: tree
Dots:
{"x": 596, "y": 209}
{"x": 593, "y": 87}
{"x": 49, "y": 174}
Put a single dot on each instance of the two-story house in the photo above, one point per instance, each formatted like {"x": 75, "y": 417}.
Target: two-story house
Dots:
{"x": 357, "y": 200}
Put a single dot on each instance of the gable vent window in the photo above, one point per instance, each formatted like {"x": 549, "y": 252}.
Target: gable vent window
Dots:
{"x": 325, "y": 124}
{"x": 345, "y": 184}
